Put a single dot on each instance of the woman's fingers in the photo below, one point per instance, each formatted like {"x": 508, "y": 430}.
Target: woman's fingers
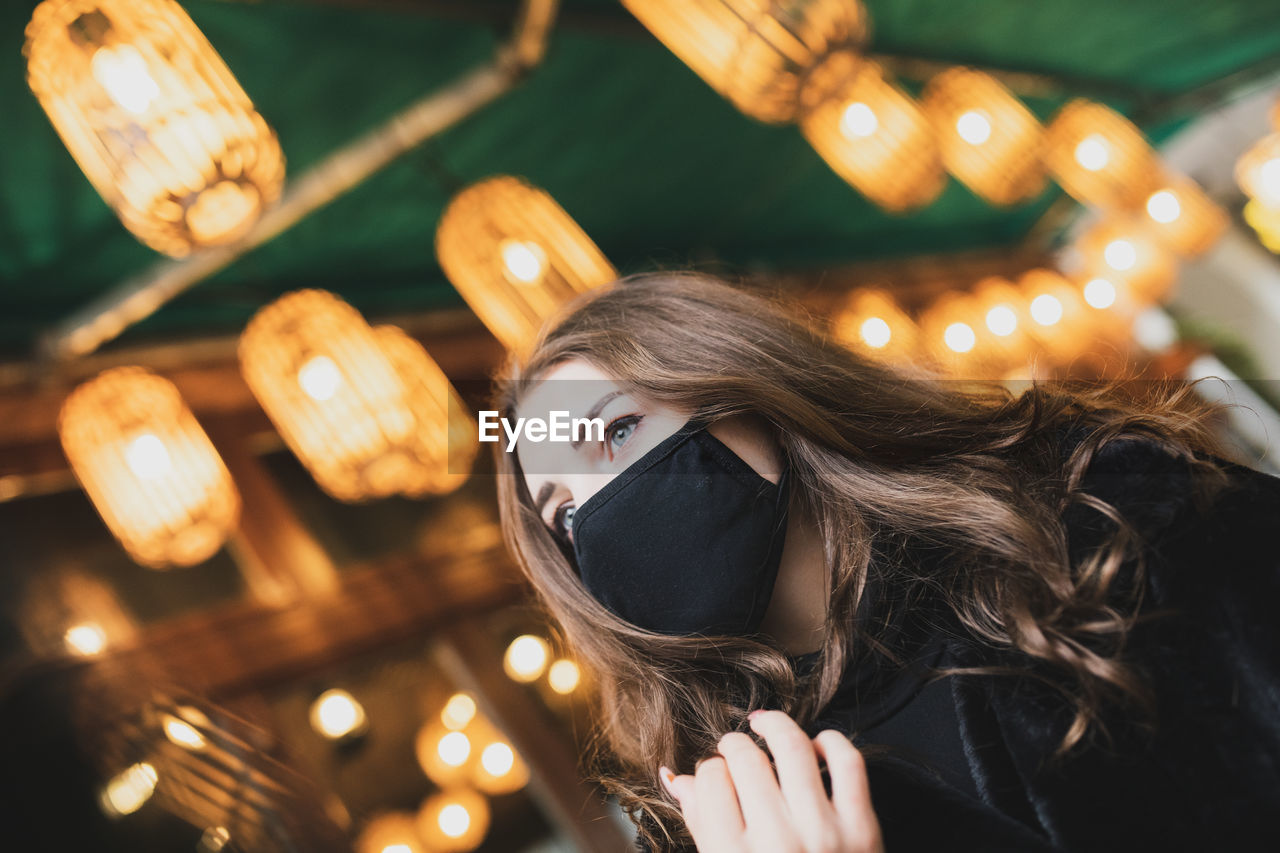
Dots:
{"x": 758, "y": 793}
{"x": 798, "y": 775}
{"x": 850, "y": 793}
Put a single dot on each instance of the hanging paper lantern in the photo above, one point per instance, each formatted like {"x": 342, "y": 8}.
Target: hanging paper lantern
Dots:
{"x": 1183, "y": 217}
{"x": 1258, "y": 171}
{"x": 872, "y": 323}
{"x": 362, "y": 410}
{"x": 150, "y": 470}
{"x": 1059, "y": 321}
{"x": 516, "y": 256}
{"x": 872, "y": 134}
{"x": 957, "y": 336}
{"x": 445, "y": 442}
{"x": 756, "y": 53}
{"x": 1120, "y": 249}
{"x": 453, "y": 821}
{"x": 1004, "y": 318}
{"x": 154, "y": 118}
{"x": 989, "y": 140}
{"x": 1099, "y": 157}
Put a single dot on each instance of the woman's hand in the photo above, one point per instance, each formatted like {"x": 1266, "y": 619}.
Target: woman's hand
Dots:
{"x": 734, "y": 802}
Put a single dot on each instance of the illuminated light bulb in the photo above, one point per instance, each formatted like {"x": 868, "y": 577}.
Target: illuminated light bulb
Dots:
{"x": 1099, "y": 293}
{"x": 1093, "y": 153}
{"x": 523, "y": 260}
{"x": 336, "y": 714}
{"x": 391, "y": 832}
{"x": 872, "y": 133}
{"x": 1002, "y": 320}
{"x": 147, "y": 457}
{"x": 757, "y": 55}
{"x": 129, "y": 791}
{"x": 454, "y": 749}
{"x": 1163, "y": 206}
{"x": 959, "y": 337}
{"x": 320, "y": 378}
{"x": 1269, "y": 179}
{"x": 563, "y": 676}
{"x": 875, "y": 332}
{"x": 182, "y": 733}
{"x": 858, "y": 121}
{"x": 974, "y": 127}
{"x": 988, "y": 139}
{"x": 872, "y": 323}
{"x": 1100, "y": 157}
{"x": 150, "y": 470}
{"x": 1265, "y": 222}
{"x": 497, "y": 759}
{"x": 1046, "y": 309}
{"x": 499, "y": 769}
{"x": 526, "y": 658}
{"x": 1120, "y": 255}
{"x": 453, "y": 821}
{"x": 213, "y": 839}
{"x": 1258, "y": 171}
{"x": 458, "y": 711}
{"x": 155, "y": 119}
{"x": 86, "y": 639}
{"x": 122, "y": 71}
{"x": 516, "y": 256}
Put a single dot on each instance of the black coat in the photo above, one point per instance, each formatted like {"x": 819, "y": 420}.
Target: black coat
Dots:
{"x": 1208, "y": 779}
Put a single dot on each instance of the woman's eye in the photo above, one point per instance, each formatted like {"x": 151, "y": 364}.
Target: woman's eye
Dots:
{"x": 619, "y": 432}
{"x": 563, "y": 520}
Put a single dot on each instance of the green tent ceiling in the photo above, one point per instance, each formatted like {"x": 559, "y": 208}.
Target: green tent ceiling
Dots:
{"x": 653, "y": 164}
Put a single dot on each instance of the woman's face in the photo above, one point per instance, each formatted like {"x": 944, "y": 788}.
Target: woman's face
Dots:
{"x": 562, "y": 475}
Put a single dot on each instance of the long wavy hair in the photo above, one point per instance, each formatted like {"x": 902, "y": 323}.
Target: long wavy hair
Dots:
{"x": 874, "y": 452}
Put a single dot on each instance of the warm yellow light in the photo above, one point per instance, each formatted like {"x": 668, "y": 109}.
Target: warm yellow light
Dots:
{"x": 875, "y": 332}
{"x": 456, "y": 820}
{"x": 1046, "y": 309}
{"x": 1183, "y": 217}
{"x": 871, "y": 322}
{"x": 458, "y": 711}
{"x": 563, "y": 676}
{"x": 336, "y": 714}
{"x": 1123, "y": 250}
{"x": 1258, "y": 171}
{"x": 148, "y": 467}
{"x": 127, "y": 792}
{"x": 1100, "y": 157}
{"x": 182, "y": 733}
{"x": 871, "y": 133}
{"x": 454, "y": 748}
{"x": 1120, "y": 255}
{"x": 391, "y": 832}
{"x": 1163, "y": 206}
{"x": 366, "y": 410}
{"x": 1265, "y": 221}
{"x": 753, "y": 52}
{"x": 155, "y": 119}
{"x": 1099, "y": 293}
{"x": 516, "y": 256}
{"x": 989, "y": 140}
{"x": 1004, "y": 311}
{"x": 526, "y": 658}
{"x": 1002, "y": 320}
{"x": 959, "y": 337}
{"x": 497, "y": 759}
{"x": 86, "y": 639}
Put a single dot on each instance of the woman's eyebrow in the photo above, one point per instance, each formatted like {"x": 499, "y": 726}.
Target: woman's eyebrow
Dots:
{"x": 594, "y": 412}
{"x": 544, "y": 495}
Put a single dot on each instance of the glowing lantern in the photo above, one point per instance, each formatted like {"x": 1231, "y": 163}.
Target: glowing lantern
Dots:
{"x": 956, "y": 333}
{"x": 1003, "y": 312}
{"x": 154, "y": 118}
{"x": 1118, "y": 250}
{"x": 1265, "y": 221}
{"x": 563, "y": 676}
{"x": 390, "y": 832}
{"x": 150, "y": 470}
{"x": 516, "y": 256}
{"x": 453, "y": 821}
{"x": 756, "y": 53}
{"x": 872, "y": 134}
{"x": 1099, "y": 157}
{"x": 129, "y": 790}
{"x": 1258, "y": 171}
{"x": 336, "y": 714}
{"x": 365, "y": 410}
{"x": 526, "y": 658}
{"x": 444, "y": 755}
{"x": 1183, "y": 218}
{"x": 1059, "y": 320}
{"x": 989, "y": 140}
{"x": 458, "y": 711}
{"x": 872, "y": 323}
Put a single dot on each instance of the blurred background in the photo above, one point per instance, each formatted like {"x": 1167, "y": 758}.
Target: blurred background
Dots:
{"x": 259, "y": 260}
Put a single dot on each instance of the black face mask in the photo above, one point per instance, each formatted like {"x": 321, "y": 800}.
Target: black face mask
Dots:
{"x": 686, "y": 540}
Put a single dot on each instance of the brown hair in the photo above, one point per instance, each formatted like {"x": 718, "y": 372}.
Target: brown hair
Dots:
{"x": 874, "y": 452}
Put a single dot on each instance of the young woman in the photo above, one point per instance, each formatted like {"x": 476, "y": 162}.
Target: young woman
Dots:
{"x": 1045, "y": 620}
